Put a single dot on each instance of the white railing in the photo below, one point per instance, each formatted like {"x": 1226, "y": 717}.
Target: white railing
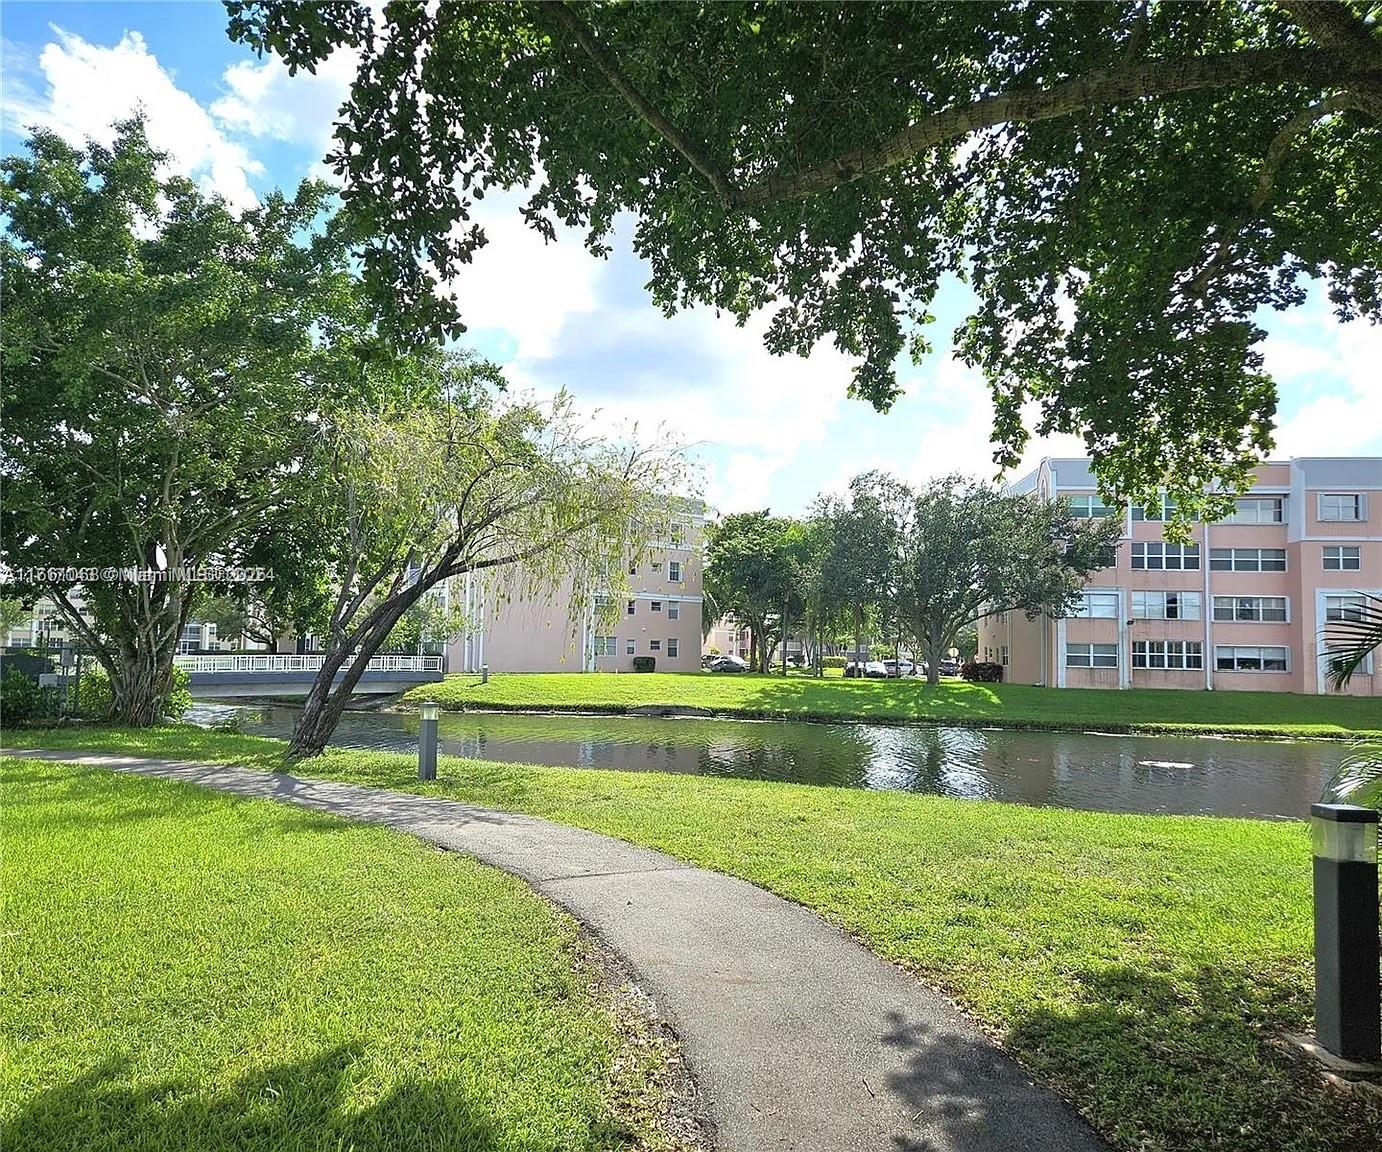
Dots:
{"x": 255, "y": 663}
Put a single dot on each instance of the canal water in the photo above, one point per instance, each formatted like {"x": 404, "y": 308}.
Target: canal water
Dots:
{"x": 1106, "y": 773}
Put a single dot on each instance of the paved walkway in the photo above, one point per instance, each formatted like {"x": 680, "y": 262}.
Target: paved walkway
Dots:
{"x": 798, "y": 1037}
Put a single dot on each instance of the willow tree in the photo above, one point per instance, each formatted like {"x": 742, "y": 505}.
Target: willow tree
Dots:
{"x": 164, "y": 363}
{"x": 449, "y": 476}
{"x": 1124, "y": 185}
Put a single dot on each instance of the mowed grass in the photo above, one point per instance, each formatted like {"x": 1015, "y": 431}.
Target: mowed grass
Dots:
{"x": 1141, "y": 965}
{"x": 913, "y": 700}
{"x": 185, "y": 970}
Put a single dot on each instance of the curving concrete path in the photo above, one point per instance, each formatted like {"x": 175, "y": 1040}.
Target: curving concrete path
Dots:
{"x": 798, "y": 1037}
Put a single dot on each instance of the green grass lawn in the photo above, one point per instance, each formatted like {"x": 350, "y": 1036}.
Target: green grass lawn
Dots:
{"x": 952, "y": 701}
{"x": 1141, "y": 965}
{"x": 186, "y": 970}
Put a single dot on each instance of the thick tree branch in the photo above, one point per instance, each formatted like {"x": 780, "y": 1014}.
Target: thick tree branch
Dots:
{"x": 1136, "y": 81}
{"x": 562, "y": 15}
{"x": 1338, "y": 30}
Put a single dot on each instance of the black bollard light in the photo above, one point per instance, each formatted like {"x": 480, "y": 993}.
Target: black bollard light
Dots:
{"x": 429, "y": 713}
{"x": 1347, "y": 1011}
{"x": 484, "y": 673}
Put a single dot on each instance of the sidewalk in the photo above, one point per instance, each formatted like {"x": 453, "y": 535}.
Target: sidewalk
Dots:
{"x": 798, "y": 1037}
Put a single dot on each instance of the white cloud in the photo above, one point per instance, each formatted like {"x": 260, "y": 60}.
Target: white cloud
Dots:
{"x": 89, "y": 87}
{"x": 263, "y": 100}
{"x": 1336, "y": 372}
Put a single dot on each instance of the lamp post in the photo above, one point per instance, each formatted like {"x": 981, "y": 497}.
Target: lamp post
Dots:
{"x": 430, "y": 713}
{"x": 1344, "y": 842}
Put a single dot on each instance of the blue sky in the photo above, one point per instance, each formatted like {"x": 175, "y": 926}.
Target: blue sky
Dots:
{"x": 769, "y": 431}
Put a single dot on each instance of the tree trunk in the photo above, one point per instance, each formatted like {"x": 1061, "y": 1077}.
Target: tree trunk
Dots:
{"x": 139, "y": 690}
{"x": 327, "y": 699}
{"x": 784, "y": 638}
{"x": 934, "y": 640}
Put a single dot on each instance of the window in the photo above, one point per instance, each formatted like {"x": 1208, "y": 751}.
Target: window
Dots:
{"x": 1166, "y": 605}
{"x": 655, "y": 605}
{"x": 1166, "y": 510}
{"x": 1167, "y": 654}
{"x": 630, "y": 647}
{"x": 633, "y": 569}
{"x": 673, "y": 610}
{"x": 606, "y": 646}
{"x": 1089, "y": 508}
{"x": 676, "y": 535}
{"x": 1097, "y": 606}
{"x": 674, "y": 571}
{"x": 1243, "y": 658}
{"x": 657, "y": 568}
{"x": 1003, "y": 655}
{"x": 654, "y": 645}
{"x": 1155, "y": 556}
{"x": 672, "y": 647}
{"x": 1091, "y": 655}
{"x": 631, "y": 605}
{"x": 1342, "y": 558}
{"x": 1341, "y": 506}
{"x": 1247, "y": 559}
{"x": 1258, "y": 510}
{"x": 1259, "y": 609}
{"x": 1344, "y": 607}
{"x": 1107, "y": 556}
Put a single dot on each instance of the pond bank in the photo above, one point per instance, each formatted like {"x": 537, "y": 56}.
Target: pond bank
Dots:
{"x": 911, "y": 702}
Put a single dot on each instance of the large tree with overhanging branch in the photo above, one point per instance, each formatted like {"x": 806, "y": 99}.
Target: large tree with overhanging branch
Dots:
{"x": 1125, "y": 186}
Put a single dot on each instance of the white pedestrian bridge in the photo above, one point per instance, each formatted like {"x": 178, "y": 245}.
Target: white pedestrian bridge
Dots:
{"x": 291, "y": 673}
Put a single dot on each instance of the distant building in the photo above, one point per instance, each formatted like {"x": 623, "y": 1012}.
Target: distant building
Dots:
{"x": 659, "y": 616}
{"x": 728, "y": 637}
{"x": 1244, "y": 606}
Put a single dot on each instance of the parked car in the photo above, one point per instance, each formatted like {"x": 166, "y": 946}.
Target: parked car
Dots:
{"x": 872, "y": 669}
{"x": 903, "y": 668}
{"x": 728, "y": 663}
{"x": 950, "y": 667}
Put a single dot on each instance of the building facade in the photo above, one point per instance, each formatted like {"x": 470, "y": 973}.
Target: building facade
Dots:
{"x": 728, "y": 637}
{"x": 658, "y": 615}
{"x": 1245, "y": 605}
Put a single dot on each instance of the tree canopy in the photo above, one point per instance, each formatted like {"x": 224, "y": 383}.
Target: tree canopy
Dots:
{"x": 1124, "y": 185}
{"x": 166, "y": 362}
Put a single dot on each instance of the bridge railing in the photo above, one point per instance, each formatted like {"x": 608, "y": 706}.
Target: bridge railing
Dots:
{"x": 252, "y": 663}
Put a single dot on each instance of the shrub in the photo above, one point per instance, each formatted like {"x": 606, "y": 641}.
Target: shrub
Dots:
{"x": 712, "y": 651}
{"x": 982, "y": 671}
{"x": 23, "y": 701}
{"x": 644, "y": 663}
{"x": 834, "y": 661}
{"x": 95, "y": 699}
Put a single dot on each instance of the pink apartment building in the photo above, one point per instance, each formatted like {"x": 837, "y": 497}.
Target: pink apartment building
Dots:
{"x": 1246, "y": 605}
{"x": 659, "y": 616}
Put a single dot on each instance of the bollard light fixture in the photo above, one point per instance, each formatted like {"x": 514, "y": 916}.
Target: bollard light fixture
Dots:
{"x": 429, "y": 712}
{"x": 1348, "y": 1016}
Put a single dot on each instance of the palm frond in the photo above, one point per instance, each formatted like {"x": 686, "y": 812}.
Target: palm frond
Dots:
{"x": 1351, "y": 640}
{"x": 1359, "y": 778}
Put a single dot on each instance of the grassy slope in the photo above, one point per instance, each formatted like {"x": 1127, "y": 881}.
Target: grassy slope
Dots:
{"x": 189, "y": 970}
{"x": 1140, "y": 964}
{"x": 953, "y": 701}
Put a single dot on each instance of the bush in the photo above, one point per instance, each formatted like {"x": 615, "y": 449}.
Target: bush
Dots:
{"x": 644, "y": 663}
{"x": 983, "y": 671}
{"x": 23, "y": 701}
{"x": 834, "y": 661}
{"x": 95, "y": 699}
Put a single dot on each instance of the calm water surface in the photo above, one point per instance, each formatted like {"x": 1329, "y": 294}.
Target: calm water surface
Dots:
{"x": 1069, "y": 770}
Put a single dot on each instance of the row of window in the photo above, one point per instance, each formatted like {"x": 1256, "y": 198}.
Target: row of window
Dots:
{"x": 673, "y": 570}
{"x": 1181, "y": 654}
{"x": 609, "y": 646}
{"x": 673, "y": 608}
{"x": 1338, "y": 507}
{"x": 1187, "y": 606}
{"x": 1156, "y": 556}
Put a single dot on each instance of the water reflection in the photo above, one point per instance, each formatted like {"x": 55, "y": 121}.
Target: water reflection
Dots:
{"x": 1071, "y": 770}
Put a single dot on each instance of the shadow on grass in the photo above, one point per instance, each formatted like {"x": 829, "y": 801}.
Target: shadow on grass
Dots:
{"x": 1187, "y": 1062}
{"x": 287, "y": 1107}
